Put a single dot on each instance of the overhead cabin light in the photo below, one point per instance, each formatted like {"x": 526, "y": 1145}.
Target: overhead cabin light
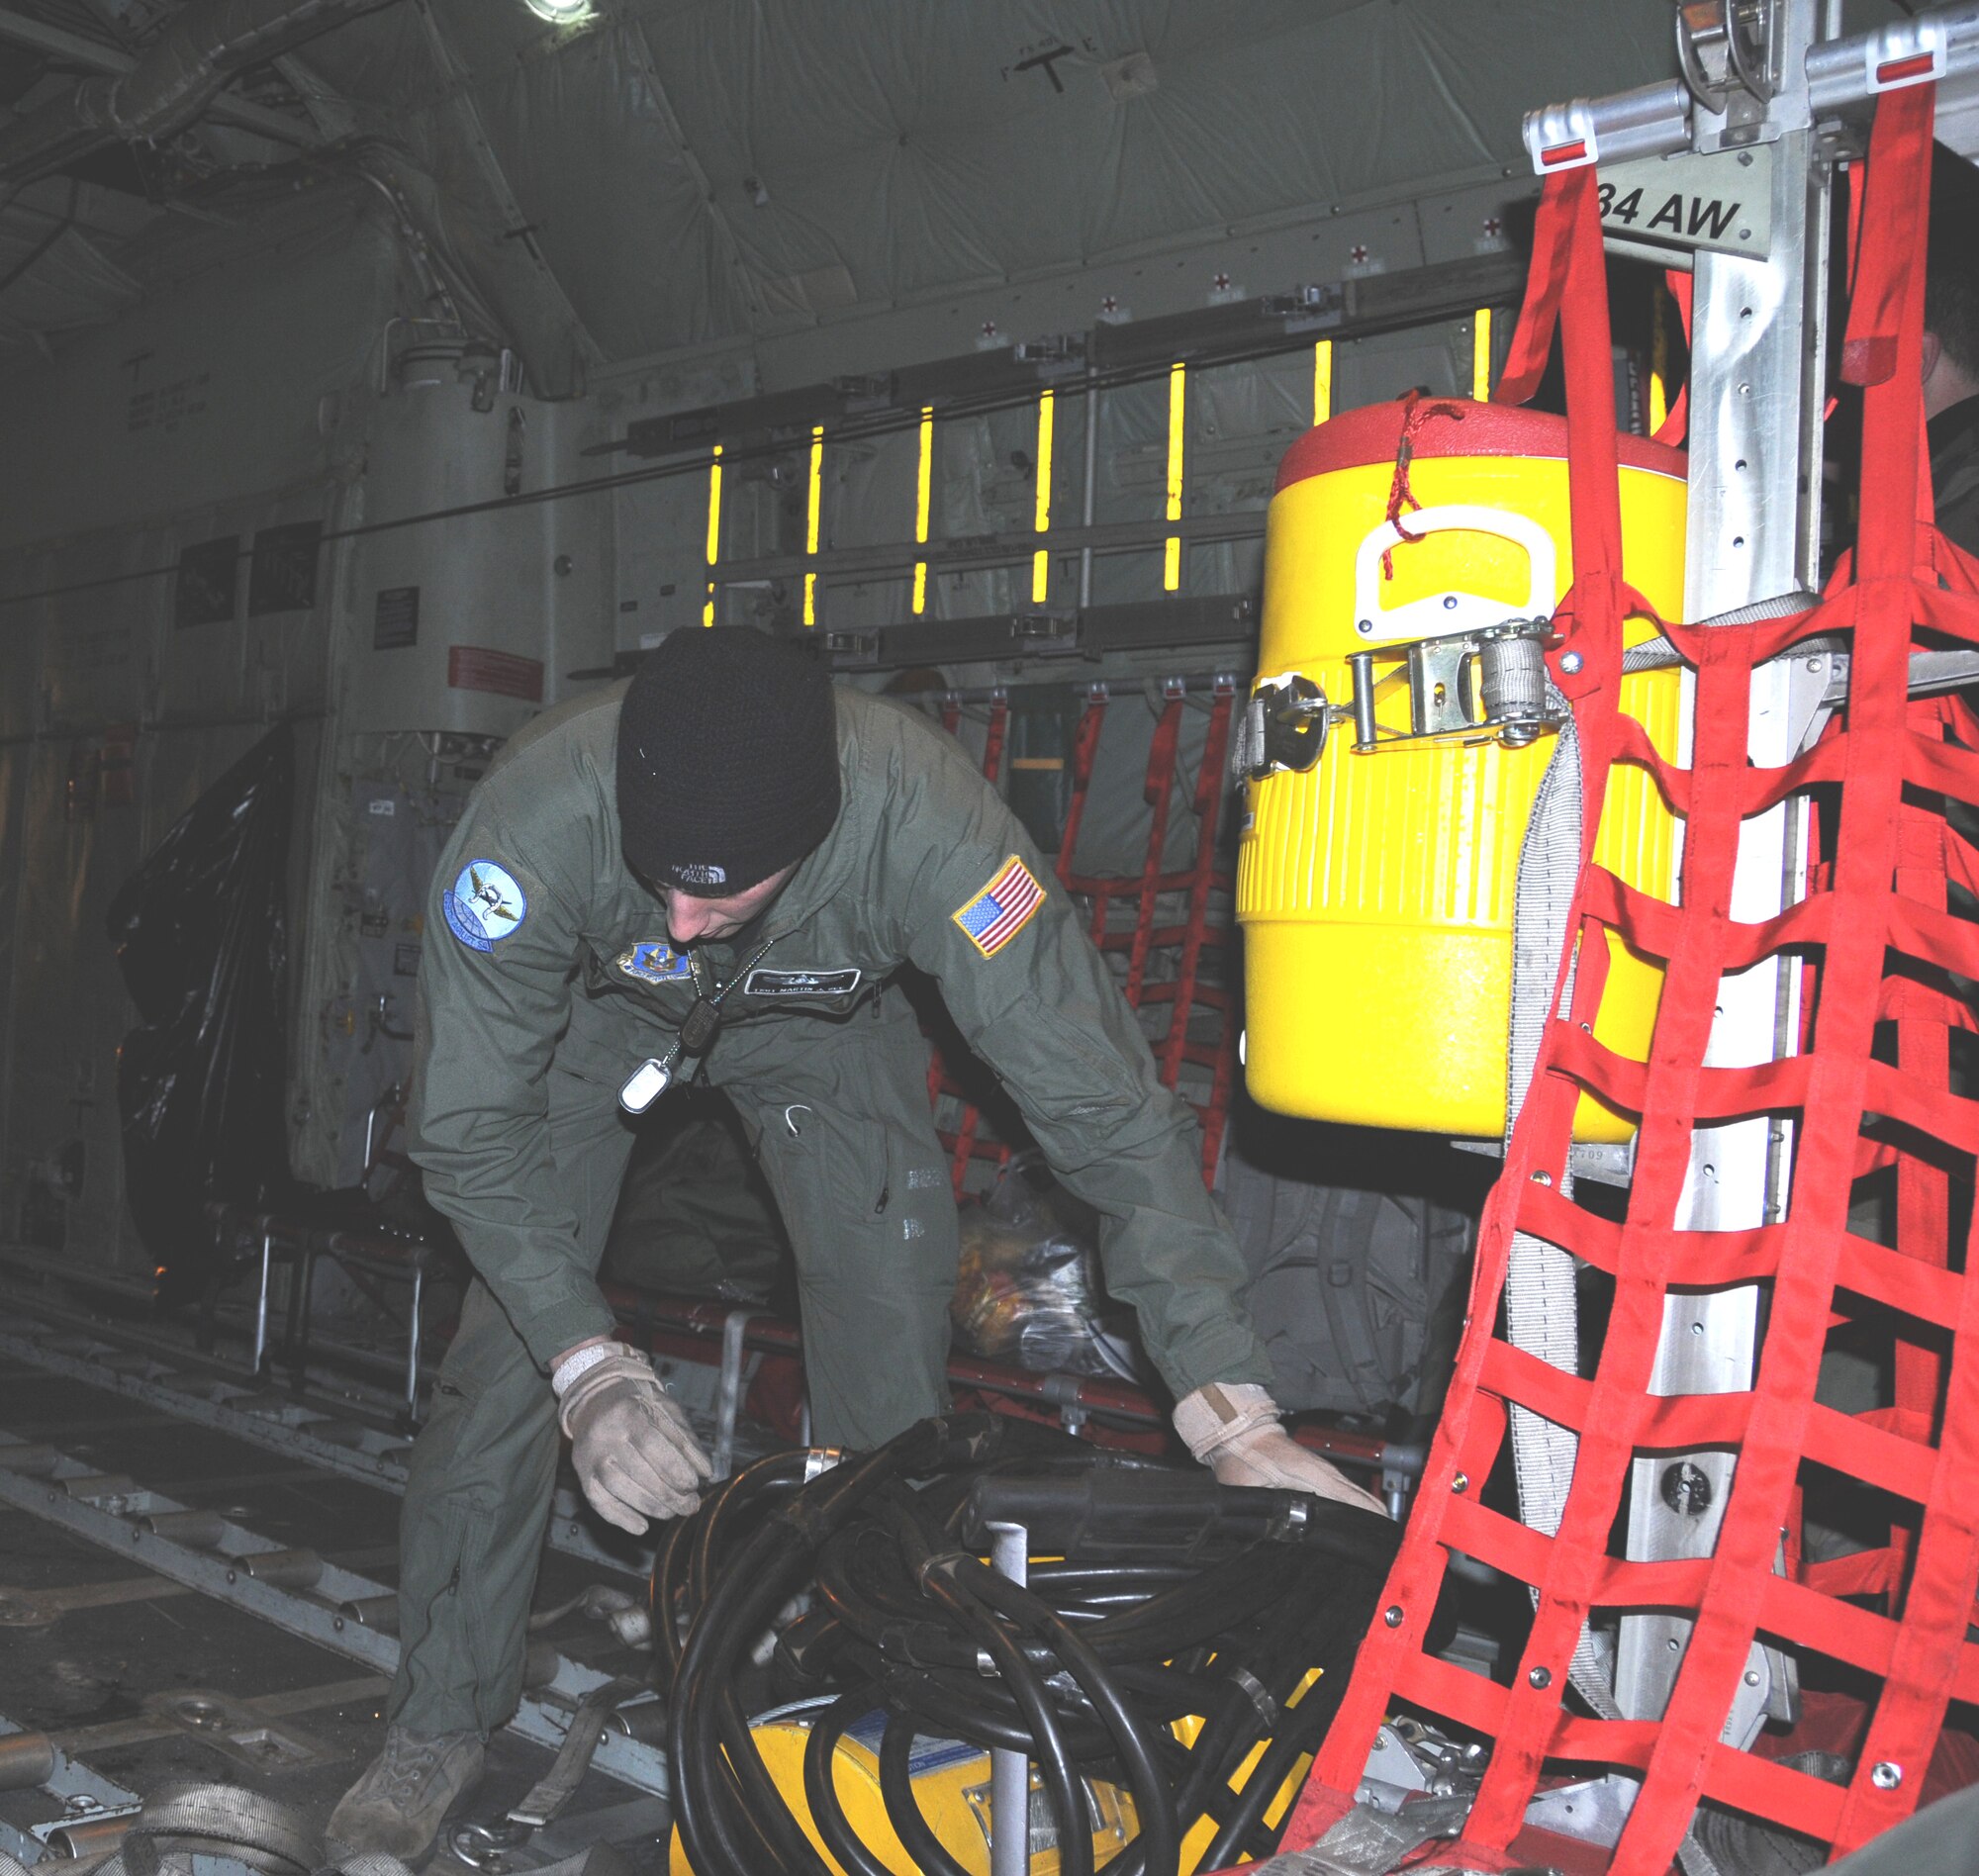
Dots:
{"x": 560, "y": 12}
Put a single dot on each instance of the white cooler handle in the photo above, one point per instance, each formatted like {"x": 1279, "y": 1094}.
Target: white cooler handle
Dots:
{"x": 1454, "y": 612}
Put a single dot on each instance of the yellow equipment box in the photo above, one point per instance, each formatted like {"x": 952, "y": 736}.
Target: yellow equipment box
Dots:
{"x": 1375, "y": 886}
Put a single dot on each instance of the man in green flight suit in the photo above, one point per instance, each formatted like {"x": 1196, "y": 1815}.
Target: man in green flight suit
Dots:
{"x": 716, "y": 870}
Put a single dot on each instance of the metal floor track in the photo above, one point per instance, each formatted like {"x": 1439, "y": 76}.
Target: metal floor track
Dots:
{"x": 172, "y": 1605}
{"x": 354, "y": 1437}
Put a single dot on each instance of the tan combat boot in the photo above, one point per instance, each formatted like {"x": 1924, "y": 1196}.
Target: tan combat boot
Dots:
{"x": 403, "y": 1797}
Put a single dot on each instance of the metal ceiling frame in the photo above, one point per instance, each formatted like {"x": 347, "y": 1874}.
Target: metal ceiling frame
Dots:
{"x": 242, "y": 113}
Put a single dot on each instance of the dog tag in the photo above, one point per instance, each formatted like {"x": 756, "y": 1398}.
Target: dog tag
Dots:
{"x": 646, "y": 1084}
{"x": 703, "y": 1020}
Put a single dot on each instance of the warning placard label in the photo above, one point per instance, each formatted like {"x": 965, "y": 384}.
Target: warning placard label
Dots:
{"x": 500, "y": 673}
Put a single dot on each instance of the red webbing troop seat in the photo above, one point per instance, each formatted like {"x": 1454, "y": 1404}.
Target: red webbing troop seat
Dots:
{"x": 1199, "y": 1033}
{"x": 1871, "y": 1088}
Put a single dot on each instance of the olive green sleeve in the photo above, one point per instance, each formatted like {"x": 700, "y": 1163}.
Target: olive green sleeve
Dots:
{"x": 492, "y": 1006}
{"x": 1040, "y": 1006}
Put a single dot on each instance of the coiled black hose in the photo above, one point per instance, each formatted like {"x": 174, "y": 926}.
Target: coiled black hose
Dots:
{"x": 1083, "y": 1670}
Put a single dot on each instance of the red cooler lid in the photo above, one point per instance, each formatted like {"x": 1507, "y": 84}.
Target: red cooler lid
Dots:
{"x": 1451, "y": 426}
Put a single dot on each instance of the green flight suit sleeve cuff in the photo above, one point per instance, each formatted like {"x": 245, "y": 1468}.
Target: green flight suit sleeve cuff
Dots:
{"x": 548, "y": 1332}
{"x": 1227, "y": 1352}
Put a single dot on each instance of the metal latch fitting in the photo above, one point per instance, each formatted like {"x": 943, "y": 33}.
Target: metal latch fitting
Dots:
{"x": 1483, "y": 686}
{"x": 1474, "y": 687}
{"x": 1282, "y": 727}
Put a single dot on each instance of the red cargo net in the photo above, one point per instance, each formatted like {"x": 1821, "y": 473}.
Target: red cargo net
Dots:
{"x": 1871, "y": 1089}
{"x": 1123, "y": 915}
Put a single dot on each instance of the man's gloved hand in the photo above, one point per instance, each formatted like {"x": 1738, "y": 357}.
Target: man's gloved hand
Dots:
{"x": 1233, "y": 1428}
{"x": 636, "y": 1453}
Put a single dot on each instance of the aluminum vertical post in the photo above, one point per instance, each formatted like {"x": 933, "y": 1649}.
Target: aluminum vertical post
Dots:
{"x": 1758, "y": 350}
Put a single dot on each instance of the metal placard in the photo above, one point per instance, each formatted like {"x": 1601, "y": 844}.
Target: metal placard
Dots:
{"x": 1722, "y": 202}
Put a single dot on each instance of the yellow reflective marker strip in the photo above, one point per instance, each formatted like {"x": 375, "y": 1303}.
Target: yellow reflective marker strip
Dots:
{"x": 1171, "y": 550}
{"x": 924, "y": 494}
{"x": 1481, "y": 356}
{"x": 1322, "y": 380}
{"x": 714, "y": 529}
{"x": 813, "y": 506}
{"x": 1041, "y": 508}
{"x": 815, "y": 496}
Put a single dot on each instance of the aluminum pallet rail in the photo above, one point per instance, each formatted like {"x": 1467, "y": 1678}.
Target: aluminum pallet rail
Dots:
{"x": 95, "y": 1811}
{"x": 336, "y": 1441}
{"x": 296, "y": 1591}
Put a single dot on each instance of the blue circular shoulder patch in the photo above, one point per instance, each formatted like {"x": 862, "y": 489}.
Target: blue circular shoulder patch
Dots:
{"x": 485, "y": 906}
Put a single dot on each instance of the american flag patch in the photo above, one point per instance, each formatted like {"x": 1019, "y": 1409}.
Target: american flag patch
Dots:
{"x": 1003, "y": 909}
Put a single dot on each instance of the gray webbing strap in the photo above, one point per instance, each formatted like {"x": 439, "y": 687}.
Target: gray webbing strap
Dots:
{"x": 547, "y": 1797}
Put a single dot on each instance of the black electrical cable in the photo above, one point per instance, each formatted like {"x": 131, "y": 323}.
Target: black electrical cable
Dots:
{"x": 1299, "y": 1734}
{"x": 1064, "y": 1788}
{"x": 751, "y": 1832}
{"x": 668, "y": 1588}
{"x": 724, "y": 1837}
{"x": 1161, "y": 1843}
{"x": 903, "y": 1811}
{"x": 821, "y": 1789}
{"x": 1301, "y": 1729}
{"x": 1085, "y": 1671}
{"x": 751, "y": 1798}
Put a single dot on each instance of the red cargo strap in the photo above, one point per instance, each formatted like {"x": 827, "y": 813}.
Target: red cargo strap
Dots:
{"x": 1880, "y": 946}
{"x": 1196, "y": 924}
{"x": 1159, "y": 793}
{"x": 1085, "y": 748}
{"x": 1546, "y": 282}
{"x": 1199, "y": 1031}
{"x": 1670, "y": 429}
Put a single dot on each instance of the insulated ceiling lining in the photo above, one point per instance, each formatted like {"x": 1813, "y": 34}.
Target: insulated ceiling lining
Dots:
{"x": 724, "y": 168}
{"x": 677, "y": 174}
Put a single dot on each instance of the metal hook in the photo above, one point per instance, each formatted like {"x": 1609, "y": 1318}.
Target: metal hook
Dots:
{"x": 482, "y": 1845}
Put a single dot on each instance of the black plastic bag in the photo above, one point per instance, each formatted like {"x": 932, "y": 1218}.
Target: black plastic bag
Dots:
{"x": 1028, "y": 1290}
{"x": 201, "y": 937}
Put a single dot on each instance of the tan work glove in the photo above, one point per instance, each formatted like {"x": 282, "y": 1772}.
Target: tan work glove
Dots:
{"x": 636, "y": 1453}
{"x": 1233, "y": 1428}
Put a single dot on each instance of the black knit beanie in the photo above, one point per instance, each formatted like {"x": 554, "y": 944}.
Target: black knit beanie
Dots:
{"x": 727, "y": 760}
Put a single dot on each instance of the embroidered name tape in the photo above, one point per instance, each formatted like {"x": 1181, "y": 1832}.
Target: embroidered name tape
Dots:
{"x": 1003, "y": 909}
{"x": 839, "y": 982}
{"x": 485, "y": 906}
{"x": 655, "y": 962}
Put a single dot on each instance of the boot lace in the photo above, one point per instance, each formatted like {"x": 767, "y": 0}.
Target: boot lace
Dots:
{"x": 408, "y": 1764}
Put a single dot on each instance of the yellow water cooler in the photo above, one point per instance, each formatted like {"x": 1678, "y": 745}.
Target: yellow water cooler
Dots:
{"x": 1376, "y": 879}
